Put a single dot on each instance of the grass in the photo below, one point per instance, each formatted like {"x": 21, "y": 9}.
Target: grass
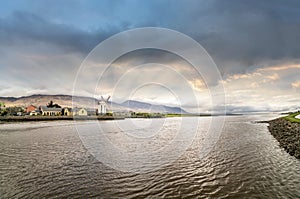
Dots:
{"x": 291, "y": 117}
{"x": 173, "y": 115}
{"x": 180, "y": 115}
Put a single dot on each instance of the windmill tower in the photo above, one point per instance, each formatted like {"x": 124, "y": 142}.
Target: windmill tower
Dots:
{"x": 102, "y": 106}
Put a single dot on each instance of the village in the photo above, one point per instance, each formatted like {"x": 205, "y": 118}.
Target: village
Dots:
{"x": 56, "y": 110}
{"x": 52, "y": 111}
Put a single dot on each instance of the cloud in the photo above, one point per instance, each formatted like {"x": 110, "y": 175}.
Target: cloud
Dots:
{"x": 247, "y": 33}
{"x": 24, "y": 28}
{"x": 281, "y": 67}
{"x": 296, "y": 84}
{"x": 237, "y": 34}
{"x": 263, "y": 89}
{"x": 255, "y": 45}
{"x": 273, "y": 77}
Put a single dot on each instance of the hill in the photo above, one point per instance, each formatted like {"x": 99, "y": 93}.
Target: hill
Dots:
{"x": 79, "y": 101}
{"x": 147, "y": 107}
{"x": 42, "y": 100}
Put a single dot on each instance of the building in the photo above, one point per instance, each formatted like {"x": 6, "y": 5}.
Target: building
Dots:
{"x": 91, "y": 111}
{"x": 46, "y": 111}
{"x": 103, "y": 106}
{"x": 67, "y": 111}
{"x": 79, "y": 112}
{"x": 34, "y": 112}
{"x": 30, "y": 108}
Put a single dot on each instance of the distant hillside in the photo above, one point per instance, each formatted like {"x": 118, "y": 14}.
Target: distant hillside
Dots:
{"x": 66, "y": 101}
{"x": 42, "y": 100}
{"x": 147, "y": 107}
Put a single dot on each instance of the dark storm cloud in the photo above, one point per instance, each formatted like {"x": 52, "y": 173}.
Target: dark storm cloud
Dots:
{"x": 249, "y": 32}
{"x": 237, "y": 33}
{"x": 24, "y": 28}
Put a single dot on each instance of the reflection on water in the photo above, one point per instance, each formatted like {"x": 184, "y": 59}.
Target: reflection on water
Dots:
{"x": 48, "y": 159}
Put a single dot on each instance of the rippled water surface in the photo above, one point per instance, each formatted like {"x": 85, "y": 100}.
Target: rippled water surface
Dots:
{"x": 49, "y": 160}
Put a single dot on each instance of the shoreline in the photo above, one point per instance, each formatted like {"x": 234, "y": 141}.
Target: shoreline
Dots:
{"x": 104, "y": 117}
{"x": 54, "y": 118}
{"x": 287, "y": 133}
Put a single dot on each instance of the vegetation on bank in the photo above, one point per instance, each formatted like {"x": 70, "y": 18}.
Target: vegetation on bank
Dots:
{"x": 180, "y": 115}
{"x": 146, "y": 115}
{"x": 2, "y": 109}
{"x": 291, "y": 117}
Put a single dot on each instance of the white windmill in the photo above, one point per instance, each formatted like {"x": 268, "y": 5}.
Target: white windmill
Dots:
{"x": 102, "y": 106}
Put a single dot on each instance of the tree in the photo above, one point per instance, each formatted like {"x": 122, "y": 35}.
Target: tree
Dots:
{"x": 14, "y": 110}
{"x": 52, "y": 105}
{"x": 3, "y": 110}
{"x": 2, "y": 104}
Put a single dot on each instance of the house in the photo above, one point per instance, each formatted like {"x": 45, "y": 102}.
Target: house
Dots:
{"x": 34, "y": 112}
{"x": 67, "y": 111}
{"x": 79, "y": 112}
{"x": 91, "y": 111}
{"x": 19, "y": 113}
{"x": 30, "y": 108}
{"x": 46, "y": 111}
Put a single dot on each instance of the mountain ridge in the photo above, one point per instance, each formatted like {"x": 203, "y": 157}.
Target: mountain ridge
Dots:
{"x": 153, "y": 107}
{"x": 83, "y": 101}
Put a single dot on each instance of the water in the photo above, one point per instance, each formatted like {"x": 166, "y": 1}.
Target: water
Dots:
{"x": 49, "y": 160}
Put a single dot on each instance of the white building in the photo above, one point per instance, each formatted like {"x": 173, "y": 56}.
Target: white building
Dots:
{"x": 79, "y": 112}
{"x": 102, "y": 106}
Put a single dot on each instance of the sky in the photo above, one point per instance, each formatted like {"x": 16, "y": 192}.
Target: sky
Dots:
{"x": 254, "y": 44}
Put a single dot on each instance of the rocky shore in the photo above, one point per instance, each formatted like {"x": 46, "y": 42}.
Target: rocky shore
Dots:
{"x": 287, "y": 134}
